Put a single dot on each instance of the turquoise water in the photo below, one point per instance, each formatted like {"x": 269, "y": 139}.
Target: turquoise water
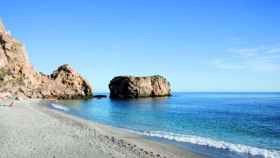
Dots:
{"x": 224, "y": 124}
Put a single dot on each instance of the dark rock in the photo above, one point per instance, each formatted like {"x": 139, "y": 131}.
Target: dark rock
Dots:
{"x": 100, "y": 96}
{"x": 125, "y": 87}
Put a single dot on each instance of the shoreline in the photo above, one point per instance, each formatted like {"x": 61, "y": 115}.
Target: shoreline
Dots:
{"x": 26, "y": 125}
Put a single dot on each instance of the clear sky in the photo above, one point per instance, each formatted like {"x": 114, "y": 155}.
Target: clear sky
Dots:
{"x": 199, "y": 45}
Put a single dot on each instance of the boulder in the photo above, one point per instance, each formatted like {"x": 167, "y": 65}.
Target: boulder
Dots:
{"x": 125, "y": 87}
{"x": 74, "y": 85}
{"x": 18, "y": 78}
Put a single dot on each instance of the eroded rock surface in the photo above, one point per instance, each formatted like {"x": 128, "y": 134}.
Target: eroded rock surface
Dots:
{"x": 125, "y": 87}
{"x": 18, "y": 78}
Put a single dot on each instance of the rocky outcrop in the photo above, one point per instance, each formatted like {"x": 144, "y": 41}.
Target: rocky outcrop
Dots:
{"x": 19, "y": 79}
{"x": 124, "y": 87}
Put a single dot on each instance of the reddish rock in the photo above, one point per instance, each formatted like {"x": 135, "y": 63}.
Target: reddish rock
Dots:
{"x": 19, "y": 79}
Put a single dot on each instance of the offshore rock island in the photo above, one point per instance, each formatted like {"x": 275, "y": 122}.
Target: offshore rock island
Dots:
{"x": 127, "y": 87}
{"x": 19, "y": 79}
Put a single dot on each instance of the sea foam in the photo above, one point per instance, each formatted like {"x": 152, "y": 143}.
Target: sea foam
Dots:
{"x": 59, "y": 107}
{"x": 244, "y": 149}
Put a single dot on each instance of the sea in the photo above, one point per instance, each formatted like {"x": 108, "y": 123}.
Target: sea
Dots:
{"x": 216, "y": 125}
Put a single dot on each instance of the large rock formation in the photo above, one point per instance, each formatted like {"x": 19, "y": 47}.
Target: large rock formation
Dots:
{"x": 19, "y": 79}
{"x": 124, "y": 87}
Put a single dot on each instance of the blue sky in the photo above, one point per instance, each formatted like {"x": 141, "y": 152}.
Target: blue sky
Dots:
{"x": 198, "y": 45}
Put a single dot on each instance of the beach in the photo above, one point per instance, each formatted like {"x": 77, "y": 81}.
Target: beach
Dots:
{"x": 29, "y": 130}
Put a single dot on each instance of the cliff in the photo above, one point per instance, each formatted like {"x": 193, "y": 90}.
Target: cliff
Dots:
{"x": 19, "y": 79}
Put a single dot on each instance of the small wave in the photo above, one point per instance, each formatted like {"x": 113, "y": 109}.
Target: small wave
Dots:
{"x": 253, "y": 151}
{"x": 59, "y": 107}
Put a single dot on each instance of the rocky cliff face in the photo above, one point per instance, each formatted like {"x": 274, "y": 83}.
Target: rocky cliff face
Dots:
{"x": 19, "y": 79}
{"x": 125, "y": 87}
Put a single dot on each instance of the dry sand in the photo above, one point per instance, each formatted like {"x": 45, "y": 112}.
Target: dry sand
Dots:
{"x": 28, "y": 130}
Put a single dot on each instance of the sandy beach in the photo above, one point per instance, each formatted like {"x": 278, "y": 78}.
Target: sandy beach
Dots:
{"x": 32, "y": 131}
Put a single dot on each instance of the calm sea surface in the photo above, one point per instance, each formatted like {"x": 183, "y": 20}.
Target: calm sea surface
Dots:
{"x": 226, "y": 125}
